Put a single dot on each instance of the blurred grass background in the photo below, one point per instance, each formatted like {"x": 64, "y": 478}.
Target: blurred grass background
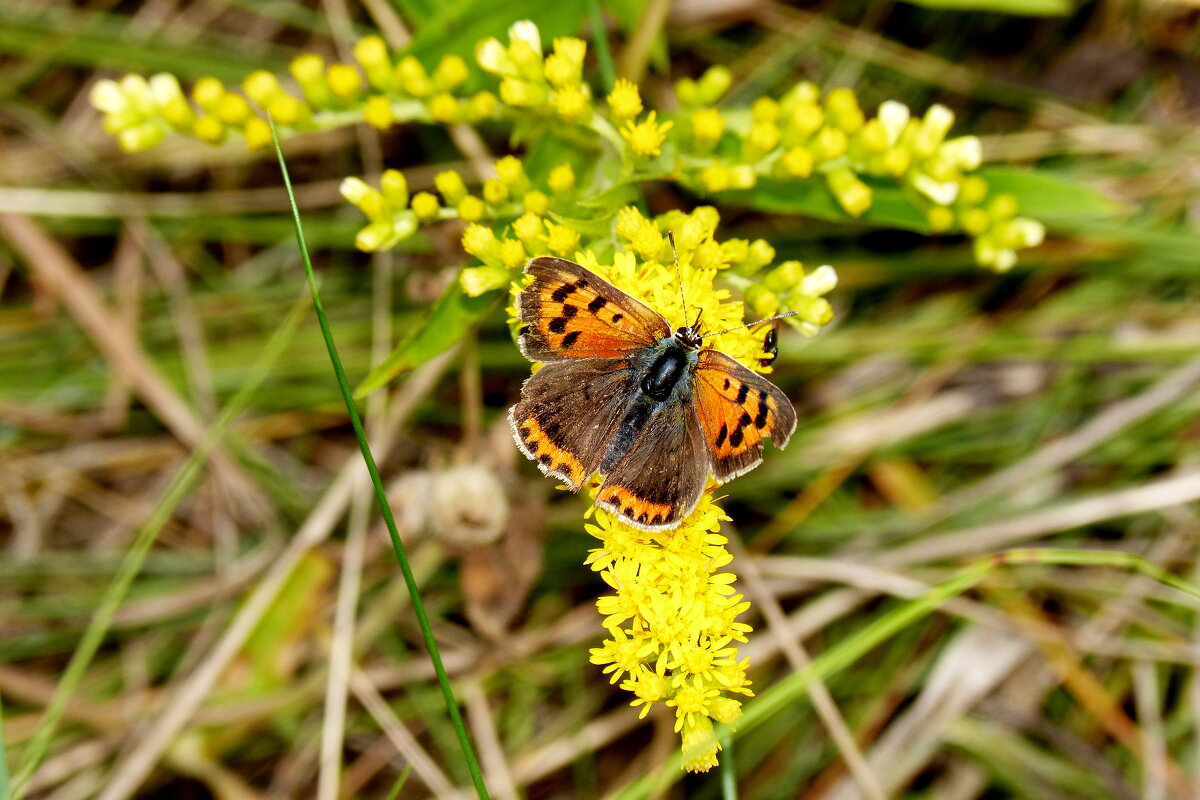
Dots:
{"x": 947, "y": 414}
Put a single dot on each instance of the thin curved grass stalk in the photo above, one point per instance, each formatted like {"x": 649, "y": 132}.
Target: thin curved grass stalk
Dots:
{"x": 380, "y": 496}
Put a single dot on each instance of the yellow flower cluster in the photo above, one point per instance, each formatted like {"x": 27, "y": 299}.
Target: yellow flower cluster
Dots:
{"x": 672, "y": 619}
{"x": 804, "y": 134}
{"x": 141, "y": 113}
{"x": 527, "y": 81}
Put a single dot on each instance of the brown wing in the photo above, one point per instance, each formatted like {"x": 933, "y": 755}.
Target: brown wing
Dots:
{"x": 570, "y": 312}
{"x": 736, "y": 408}
{"x": 659, "y": 479}
{"x": 569, "y": 410}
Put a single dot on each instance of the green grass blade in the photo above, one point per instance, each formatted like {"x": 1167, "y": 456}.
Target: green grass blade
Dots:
{"x": 608, "y": 72}
{"x": 380, "y": 496}
{"x": 131, "y": 564}
{"x": 4, "y": 795}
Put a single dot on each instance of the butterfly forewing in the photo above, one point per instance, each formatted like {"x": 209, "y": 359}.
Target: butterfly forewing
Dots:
{"x": 569, "y": 411}
{"x": 736, "y": 408}
{"x": 569, "y": 312}
{"x": 658, "y": 480}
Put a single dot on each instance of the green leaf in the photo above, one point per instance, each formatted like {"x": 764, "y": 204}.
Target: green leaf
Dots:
{"x": 459, "y": 26}
{"x": 890, "y": 204}
{"x": 1029, "y": 8}
{"x": 452, "y": 316}
{"x": 1048, "y": 196}
{"x": 622, "y": 194}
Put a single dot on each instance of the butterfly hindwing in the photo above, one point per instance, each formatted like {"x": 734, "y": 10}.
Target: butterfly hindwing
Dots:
{"x": 569, "y": 312}
{"x": 569, "y": 410}
{"x": 658, "y": 479}
{"x": 736, "y": 409}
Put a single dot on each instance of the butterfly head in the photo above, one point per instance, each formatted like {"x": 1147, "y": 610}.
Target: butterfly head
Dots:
{"x": 688, "y": 337}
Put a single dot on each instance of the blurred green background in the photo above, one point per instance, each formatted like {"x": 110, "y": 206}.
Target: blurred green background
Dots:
{"x": 947, "y": 414}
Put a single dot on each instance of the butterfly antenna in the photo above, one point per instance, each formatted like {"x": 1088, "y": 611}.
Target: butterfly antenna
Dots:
{"x": 679, "y": 277}
{"x": 784, "y": 315}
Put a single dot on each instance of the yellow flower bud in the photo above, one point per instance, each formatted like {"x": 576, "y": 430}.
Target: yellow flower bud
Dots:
{"x": 562, "y": 240}
{"x": 807, "y": 118}
{"x": 288, "y": 110}
{"x": 852, "y": 194}
{"x": 536, "y": 202}
{"x": 1003, "y": 206}
{"x": 625, "y": 100}
{"x": 529, "y": 228}
{"x": 344, "y": 80}
{"x": 830, "y": 143}
{"x": 395, "y": 187}
{"x": 510, "y": 171}
{"x": 179, "y": 114}
{"x": 378, "y": 112}
{"x": 764, "y": 302}
{"x": 715, "y": 178}
{"x": 763, "y": 137}
{"x": 972, "y": 190}
{"x": 559, "y": 71}
{"x": 897, "y": 161}
{"x": 413, "y": 78}
{"x": 562, "y": 179}
{"x": 370, "y": 51}
{"x": 713, "y": 84}
{"x": 842, "y": 107}
{"x": 425, "y": 205}
{"x": 785, "y": 277}
{"x": 482, "y": 105}
{"x": 764, "y": 109}
{"x": 480, "y": 280}
{"x": 494, "y": 191}
{"x": 257, "y": 133}
{"x": 761, "y": 253}
{"x": 707, "y": 126}
{"x": 208, "y": 129}
{"x": 451, "y": 185}
{"x": 470, "y": 209}
{"x": 208, "y": 93}
{"x": 940, "y": 219}
{"x": 975, "y": 221}
{"x": 797, "y": 162}
{"x": 444, "y": 108}
{"x": 309, "y": 70}
{"x": 874, "y": 136}
{"x": 262, "y": 87}
{"x": 232, "y": 109}
{"x": 571, "y": 103}
{"x": 451, "y": 72}
{"x": 512, "y": 253}
{"x": 479, "y": 241}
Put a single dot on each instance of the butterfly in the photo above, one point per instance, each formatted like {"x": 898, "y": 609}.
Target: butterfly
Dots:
{"x": 654, "y": 412}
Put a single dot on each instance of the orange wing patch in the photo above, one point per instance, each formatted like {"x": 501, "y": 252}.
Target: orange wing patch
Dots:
{"x": 625, "y": 503}
{"x": 551, "y": 458}
{"x": 736, "y": 409}
{"x": 568, "y": 312}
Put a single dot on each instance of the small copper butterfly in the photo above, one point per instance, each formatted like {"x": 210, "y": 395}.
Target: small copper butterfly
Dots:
{"x": 654, "y": 412}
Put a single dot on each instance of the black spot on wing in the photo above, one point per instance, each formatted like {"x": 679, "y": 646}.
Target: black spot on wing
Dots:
{"x": 735, "y": 438}
{"x": 760, "y": 421}
{"x": 597, "y": 304}
{"x": 562, "y": 292}
{"x": 721, "y": 434}
{"x": 568, "y": 341}
{"x": 742, "y": 392}
{"x": 617, "y": 318}
{"x": 558, "y": 325}
{"x": 570, "y": 311}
